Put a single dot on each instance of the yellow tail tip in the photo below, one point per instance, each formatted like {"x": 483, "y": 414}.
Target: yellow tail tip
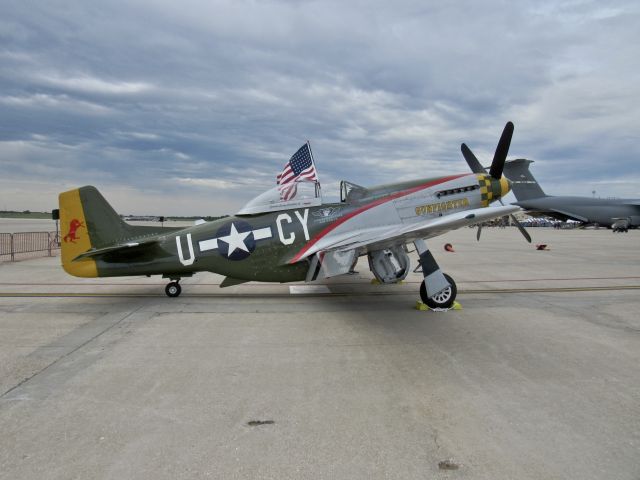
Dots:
{"x": 75, "y": 238}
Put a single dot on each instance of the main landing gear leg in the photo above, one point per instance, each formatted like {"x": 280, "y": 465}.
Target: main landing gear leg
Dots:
{"x": 173, "y": 288}
{"x": 438, "y": 290}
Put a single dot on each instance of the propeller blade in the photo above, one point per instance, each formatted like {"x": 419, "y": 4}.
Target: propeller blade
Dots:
{"x": 501, "y": 151}
{"x": 524, "y": 233}
{"x": 479, "y": 232}
{"x": 472, "y": 160}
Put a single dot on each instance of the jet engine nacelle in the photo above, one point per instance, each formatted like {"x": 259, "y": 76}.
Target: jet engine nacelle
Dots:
{"x": 389, "y": 265}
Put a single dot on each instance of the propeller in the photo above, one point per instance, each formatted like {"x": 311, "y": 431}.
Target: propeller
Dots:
{"x": 497, "y": 166}
{"x": 523, "y": 231}
{"x": 500, "y": 156}
{"x": 472, "y": 161}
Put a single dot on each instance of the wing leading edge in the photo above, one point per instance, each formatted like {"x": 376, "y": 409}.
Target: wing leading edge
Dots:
{"x": 383, "y": 237}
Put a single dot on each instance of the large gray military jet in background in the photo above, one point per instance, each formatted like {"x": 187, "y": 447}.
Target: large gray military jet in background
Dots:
{"x": 619, "y": 214}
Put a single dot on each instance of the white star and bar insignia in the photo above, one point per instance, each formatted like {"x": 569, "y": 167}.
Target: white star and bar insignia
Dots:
{"x": 235, "y": 239}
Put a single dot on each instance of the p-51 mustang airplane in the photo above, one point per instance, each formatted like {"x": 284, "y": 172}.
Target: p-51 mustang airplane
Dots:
{"x": 288, "y": 234}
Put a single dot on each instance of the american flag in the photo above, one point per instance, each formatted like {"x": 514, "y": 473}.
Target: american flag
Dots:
{"x": 299, "y": 167}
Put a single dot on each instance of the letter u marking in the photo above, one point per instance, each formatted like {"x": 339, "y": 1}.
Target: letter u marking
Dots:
{"x": 191, "y": 259}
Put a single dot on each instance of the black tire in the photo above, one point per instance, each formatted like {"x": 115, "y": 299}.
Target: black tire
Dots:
{"x": 443, "y": 299}
{"x": 173, "y": 289}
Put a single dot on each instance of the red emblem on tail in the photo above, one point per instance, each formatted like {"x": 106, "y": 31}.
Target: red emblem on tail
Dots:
{"x": 72, "y": 236}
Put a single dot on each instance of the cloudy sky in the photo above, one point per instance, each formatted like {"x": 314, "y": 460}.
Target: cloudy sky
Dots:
{"x": 193, "y": 107}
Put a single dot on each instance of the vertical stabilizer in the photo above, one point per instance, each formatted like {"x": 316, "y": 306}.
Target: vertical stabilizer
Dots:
{"x": 523, "y": 183}
{"x": 87, "y": 221}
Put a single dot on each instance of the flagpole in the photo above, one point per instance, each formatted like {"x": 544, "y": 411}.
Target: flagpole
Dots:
{"x": 313, "y": 162}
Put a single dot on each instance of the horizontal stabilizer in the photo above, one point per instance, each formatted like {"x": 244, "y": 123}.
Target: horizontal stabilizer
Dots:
{"x": 230, "y": 282}
{"x": 125, "y": 247}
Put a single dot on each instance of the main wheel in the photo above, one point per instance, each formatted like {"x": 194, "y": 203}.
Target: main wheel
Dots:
{"x": 444, "y": 299}
{"x": 173, "y": 289}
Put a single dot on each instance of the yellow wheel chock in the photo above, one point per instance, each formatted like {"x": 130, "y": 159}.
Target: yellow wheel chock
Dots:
{"x": 424, "y": 307}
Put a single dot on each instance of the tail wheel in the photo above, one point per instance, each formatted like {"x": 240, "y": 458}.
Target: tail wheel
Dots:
{"x": 173, "y": 289}
{"x": 444, "y": 299}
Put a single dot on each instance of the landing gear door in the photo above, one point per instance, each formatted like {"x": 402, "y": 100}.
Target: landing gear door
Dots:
{"x": 331, "y": 264}
{"x": 337, "y": 262}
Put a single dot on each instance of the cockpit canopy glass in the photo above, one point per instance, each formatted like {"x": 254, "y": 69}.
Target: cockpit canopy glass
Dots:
{"x": 350, "y": 192}
{"x": 296, "y": 194}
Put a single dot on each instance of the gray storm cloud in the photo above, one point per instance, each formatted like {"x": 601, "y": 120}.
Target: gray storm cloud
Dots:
{"x": 193, "y": 107}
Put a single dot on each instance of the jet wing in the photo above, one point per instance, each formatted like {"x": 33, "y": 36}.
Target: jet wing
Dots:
{"x": 571, "y": 215}
{"x": 383, "y": 237}
{"x": 555, "y": 213}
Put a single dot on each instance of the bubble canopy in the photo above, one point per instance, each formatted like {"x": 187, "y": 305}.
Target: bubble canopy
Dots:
{"x": 307, "y": 194}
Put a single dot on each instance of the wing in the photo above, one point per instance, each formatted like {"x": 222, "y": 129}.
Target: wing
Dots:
{"x": 382, "y": 237}
{"x": 555, "y": 213}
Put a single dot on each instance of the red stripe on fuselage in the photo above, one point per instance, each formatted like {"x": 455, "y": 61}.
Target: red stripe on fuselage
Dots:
{"x": 368, "y": 206}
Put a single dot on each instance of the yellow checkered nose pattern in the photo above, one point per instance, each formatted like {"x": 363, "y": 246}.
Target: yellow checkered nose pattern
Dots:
{"x": 486, "y": 192}
{"x": 492, "y": 189}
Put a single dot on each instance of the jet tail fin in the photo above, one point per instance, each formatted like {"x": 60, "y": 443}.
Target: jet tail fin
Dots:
{"x": 523, "y": 184}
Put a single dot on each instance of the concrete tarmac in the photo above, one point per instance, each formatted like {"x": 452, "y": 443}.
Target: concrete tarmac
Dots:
{"x": 537, "y": 377}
